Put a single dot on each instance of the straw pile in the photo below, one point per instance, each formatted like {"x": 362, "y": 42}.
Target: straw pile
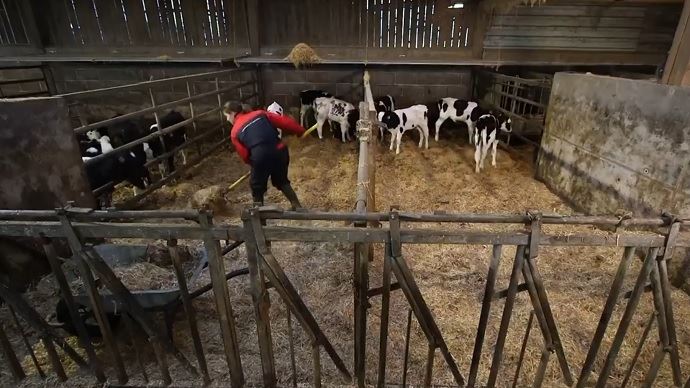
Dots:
{"x": 303, "y": 55}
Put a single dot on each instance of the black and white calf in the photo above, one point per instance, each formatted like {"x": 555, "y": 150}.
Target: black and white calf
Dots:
{"x": 459, "y": 110}
{"x": 170, "y": 141}
{"x": 384, "y": 103}
{"x": 486, "y": 137}
{"x": 96, "y": 147}
{"x": 335, "y": 111}
{"x": 306, "y": 100}
{"x": 124, "y": 166}
{"x": 401, "y": 120}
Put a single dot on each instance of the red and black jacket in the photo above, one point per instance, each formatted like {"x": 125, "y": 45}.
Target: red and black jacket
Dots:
{"x": 258, "y": 128}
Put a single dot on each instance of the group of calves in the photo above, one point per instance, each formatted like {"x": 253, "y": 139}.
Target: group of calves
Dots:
{"x": 483, "y": 125}
{"x": 129, "y": 164}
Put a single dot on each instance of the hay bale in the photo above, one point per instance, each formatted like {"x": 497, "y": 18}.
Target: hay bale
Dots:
{"x": 212, "y": 198}
{"x": 303, "y": 55}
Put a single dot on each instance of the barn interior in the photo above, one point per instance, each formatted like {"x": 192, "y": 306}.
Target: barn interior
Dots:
{"x": 590, "y": 185}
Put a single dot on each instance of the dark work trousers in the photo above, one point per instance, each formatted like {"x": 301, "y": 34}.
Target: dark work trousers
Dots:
{"x": 267, "y": 161}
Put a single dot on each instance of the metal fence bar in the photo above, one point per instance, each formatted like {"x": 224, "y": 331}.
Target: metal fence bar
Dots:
{"x": 147, "y": 84}
{"x": 638, "y": 350}
{"x": 94, "y": 298}
{"x": 10, "y": 356}
{"x": 190, "y": 313}
{"x": 484, "y": 315}
{"x": 523, "y": 347}
{"x": 505, "y": 319}
{"x": 66, "y": 293}
{"x": 158, "y": 108}
{"x": 26, "y": 343}
{"x": 627, "y": 317}
{"x": 385, "y": 312}
{"x": 606, "y": 314}
{"x": 406, "y": 355}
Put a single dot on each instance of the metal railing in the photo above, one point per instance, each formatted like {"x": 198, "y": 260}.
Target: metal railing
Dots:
{"x": 192, "y": 102}
{"x": 78, "y": 226}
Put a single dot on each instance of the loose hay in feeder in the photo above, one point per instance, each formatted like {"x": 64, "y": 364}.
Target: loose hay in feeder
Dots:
{"x": 303, "y": 55}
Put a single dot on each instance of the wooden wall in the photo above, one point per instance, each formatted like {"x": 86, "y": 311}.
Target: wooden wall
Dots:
{"x": 158, "y": 26}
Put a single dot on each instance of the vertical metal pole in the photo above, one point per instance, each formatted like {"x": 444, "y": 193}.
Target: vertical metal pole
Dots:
{"x": 160, "y": 128}
{"x": 262, "y": 305}
{"x": 190, "y": 314}
{"x": 638, "y": 351}
{"x": 291, "y": 340}
{"x": 10, "y": 356}
{"x": 129, "y": 326}
{"x": 385, "y": 304}
{"x": 193, "y": 115}
{"x": 316, "y": 355}
{"x": 429, "y": 371}
{"x": 627, "y": 317}
{"x": 606, "y": 314}
{"x": 220, "y": 106}
{"x": 484, "y": 315}
{"x": 406, "y": 355}
{"x": 29, "y": 349}
{"x": 668, "y": 301}
{"x": 361, "y": 286}
{"x": 505, "y": 319}
{"x": 516, "y": 378}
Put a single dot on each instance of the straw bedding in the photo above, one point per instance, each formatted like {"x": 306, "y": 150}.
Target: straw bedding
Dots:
{"x": 451, "y": 278}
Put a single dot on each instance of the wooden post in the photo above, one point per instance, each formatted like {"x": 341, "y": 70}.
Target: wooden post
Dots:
{"x": 253, "y": 26}
{"x": 262, "y": 305}
{"x": 677, "y": 69}
{"x": 385, "y": 306}
{"x": 223, "y": 304}
{"x": 521, "y": 358}
{"x": 66, "y": 293}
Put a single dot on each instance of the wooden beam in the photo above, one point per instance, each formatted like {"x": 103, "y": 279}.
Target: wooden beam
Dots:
{"x": 253, "y": 26}
{"x": 676, "y": 71}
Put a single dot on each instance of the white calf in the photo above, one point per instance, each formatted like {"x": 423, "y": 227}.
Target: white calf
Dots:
{"x": 486, "y": 136}
{"x": 277, "y": 109}
{"x": 401, "y": 120}
{"x": 458, "y": 110}
{"x": 333, "y": 110}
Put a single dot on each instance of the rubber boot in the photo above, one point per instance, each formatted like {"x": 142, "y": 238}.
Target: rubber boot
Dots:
{"x": 292, "y": 197}
{"x": 258, "y": 200}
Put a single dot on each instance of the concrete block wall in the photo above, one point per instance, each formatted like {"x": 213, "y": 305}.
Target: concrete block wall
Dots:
{"x": 76, "y": 77}
{"x": 407, "y": 84}
{"x": 24, "y": 87}
{"x": 615, "y": 143}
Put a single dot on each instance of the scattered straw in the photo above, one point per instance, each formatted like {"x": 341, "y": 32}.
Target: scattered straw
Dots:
{"x": 303, "y": 55}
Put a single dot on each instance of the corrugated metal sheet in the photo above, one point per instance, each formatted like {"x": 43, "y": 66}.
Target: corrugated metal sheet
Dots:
{"x": 646, "y": 28}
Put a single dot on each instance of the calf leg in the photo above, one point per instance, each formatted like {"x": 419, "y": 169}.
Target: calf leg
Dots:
{"x": 398, "y": 140}
{"x": 493, "y": 155}
{"x": 438, "y": 126}
{"x": 477, "y": 152}
{"x": 344, "y": 131}
{"x": 302, "y": 113}
{"x": 319, "y": 127}
{"x": 425, "y": 133}
{"x": 485, "y": 148}
{"x": 470, "y": 130}
{"x": 184, "y": 157}
{"x": 393, "y": 136}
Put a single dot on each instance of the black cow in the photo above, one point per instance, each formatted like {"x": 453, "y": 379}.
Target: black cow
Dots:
{"x": 170, "y": 141}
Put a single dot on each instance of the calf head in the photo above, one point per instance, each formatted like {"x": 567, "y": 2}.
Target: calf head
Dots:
{"x": 275, "y": 108}
{"x": 504, "y": 122}
{"x": 390, "y": 120}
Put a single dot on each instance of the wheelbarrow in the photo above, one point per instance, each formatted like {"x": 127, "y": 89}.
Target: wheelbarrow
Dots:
{"x": 166, "y": 301}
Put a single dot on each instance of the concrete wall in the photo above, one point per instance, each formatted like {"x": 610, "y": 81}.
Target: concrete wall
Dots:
{"x": 613, "y": 143}
{"x": 408, "y": 84}
{"x": 41, "y": 167}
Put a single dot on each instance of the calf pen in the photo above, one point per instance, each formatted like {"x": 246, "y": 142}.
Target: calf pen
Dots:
{"x": 263, "y": 230}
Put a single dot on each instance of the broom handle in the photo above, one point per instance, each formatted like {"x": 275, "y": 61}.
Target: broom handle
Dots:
{"x": 243, "y": 177}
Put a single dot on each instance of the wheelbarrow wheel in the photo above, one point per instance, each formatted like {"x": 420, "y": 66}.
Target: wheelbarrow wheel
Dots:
{"x": 64, "y": 318}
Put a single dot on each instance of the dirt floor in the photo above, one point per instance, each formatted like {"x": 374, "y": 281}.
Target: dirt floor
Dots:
{"x": 451, "y": 278}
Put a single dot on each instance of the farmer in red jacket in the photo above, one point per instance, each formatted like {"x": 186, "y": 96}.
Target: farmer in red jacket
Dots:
{"x": 255, "y": 137}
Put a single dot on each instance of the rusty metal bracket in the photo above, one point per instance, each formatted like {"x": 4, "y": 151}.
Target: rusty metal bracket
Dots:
{"x": 535, "y": 232}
